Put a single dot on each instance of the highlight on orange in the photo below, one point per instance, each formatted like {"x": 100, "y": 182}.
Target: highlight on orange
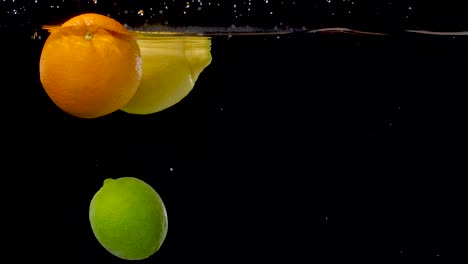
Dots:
{"x": 90, "y": 66}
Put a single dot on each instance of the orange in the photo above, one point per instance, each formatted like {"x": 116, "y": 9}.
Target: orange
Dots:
{"x": 90, "y": 66}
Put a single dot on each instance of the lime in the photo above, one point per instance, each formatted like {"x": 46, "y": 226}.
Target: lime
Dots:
{"x": 128, "y": 218}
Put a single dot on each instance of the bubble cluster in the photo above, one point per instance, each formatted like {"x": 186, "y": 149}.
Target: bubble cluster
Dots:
{"x": 267, "y": 14}
{"x": 206, "y": 13}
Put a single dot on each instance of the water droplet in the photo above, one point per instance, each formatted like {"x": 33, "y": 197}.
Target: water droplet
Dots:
{"x": 88, "y": 36}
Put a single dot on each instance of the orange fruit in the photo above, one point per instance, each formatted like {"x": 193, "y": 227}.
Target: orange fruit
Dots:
{"x": 90, "y": 66}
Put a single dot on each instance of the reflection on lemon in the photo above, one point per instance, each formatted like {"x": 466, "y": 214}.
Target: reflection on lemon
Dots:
{"x": 171, "y": 66}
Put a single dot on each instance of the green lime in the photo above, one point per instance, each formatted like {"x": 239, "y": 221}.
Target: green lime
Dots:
{"x": 128, "y": 218}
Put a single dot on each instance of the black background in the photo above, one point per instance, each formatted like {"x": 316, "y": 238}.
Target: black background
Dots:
{"x": 307, "y": 148}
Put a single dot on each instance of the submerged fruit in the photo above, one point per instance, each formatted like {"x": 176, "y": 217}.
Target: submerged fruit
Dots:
{"x": 128, "y": 218}
{"x": 90, "y": 66}
{"x": 171, "y": 66}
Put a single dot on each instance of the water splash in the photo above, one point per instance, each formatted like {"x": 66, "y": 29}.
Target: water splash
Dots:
{"x": 246, "y": 31}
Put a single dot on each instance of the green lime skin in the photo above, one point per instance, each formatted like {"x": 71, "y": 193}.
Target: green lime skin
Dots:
{"x": 128, "y": 218}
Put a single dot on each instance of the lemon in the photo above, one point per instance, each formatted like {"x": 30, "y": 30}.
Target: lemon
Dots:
{"x": 128, "y": 218}
{"x": 171, "y": 65}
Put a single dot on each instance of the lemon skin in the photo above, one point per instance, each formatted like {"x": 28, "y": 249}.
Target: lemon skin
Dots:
{"x": 171, "y": 66}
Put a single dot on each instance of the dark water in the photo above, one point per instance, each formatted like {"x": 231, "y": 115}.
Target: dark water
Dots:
{"x": 299, "y": 148}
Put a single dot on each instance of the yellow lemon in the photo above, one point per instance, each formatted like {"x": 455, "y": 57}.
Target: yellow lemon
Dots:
{"x": 171, "y": 66}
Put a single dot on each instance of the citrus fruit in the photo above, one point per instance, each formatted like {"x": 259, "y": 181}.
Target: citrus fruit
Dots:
{"x": 128, "y": 218}
{"x": 171, "y": 66}
{"x": 90, "y": 66}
